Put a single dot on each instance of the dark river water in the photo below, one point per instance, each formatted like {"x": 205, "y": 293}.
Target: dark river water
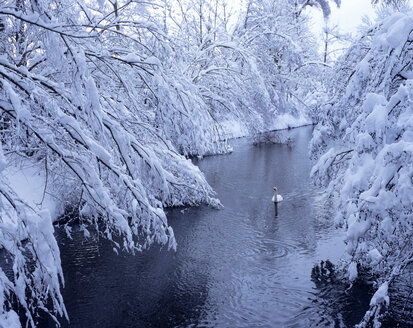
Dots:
{"x": 236, "y": 267}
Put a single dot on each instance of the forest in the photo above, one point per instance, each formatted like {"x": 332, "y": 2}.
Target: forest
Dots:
{"x": 109, "y": 102}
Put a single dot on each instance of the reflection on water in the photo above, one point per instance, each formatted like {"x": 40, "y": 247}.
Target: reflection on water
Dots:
{"x": 400, "y": 313}
{"x": 235, "y": 267}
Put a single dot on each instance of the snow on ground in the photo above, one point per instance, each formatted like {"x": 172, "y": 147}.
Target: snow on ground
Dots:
{"x": 286, "y": 121}
{"x": 28, "y": 181}
{"x": 236, "y": 129}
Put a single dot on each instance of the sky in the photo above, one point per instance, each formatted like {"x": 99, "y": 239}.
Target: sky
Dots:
{"x": 348, "y": 17}
{"x": 350, "y": 14}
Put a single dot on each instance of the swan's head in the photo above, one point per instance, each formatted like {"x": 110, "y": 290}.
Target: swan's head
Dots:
{"x": 275, "y": 189}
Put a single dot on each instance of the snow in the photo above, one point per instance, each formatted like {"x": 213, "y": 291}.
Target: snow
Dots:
{"x": 3, "y": 162}
{"x": 25, "y": 219}
{"x": 364, "y": 68}
{"x": 352, "y": 271}
{"x": 376, "y": 120}
{"x": 28, "y": 181}
{"x": 152, "y": 60}
{"x": 132, "y": 58}
{"x": 109, "y": 115}
{"x": 366, "y": 162}
{"x": 234, "y": 129}
{"x": 381, "y": 295}
{"x": 395, "y": 30}
{"x": 9, "y": 319}
{"x": 374, "y": 256}
{"x": 286, "y": 121}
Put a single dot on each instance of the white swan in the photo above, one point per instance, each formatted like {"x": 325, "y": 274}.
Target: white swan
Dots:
{"x": 276, "y": 198}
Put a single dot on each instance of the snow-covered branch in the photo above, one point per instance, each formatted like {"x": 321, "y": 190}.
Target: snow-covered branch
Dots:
{"x": 370, "y": 112}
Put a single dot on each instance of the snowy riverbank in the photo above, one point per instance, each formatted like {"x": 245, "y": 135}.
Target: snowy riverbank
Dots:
{"x": 237, "y": 129}
{"x": 30, "y": 182}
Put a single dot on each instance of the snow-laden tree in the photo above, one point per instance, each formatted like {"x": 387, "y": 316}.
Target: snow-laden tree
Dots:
{"x": 334, "y": 42}
{"x": 198, "y": 44}
{"x": 324, "y": 5}
{"x": 396, "y": 4}
{"x": 284, "y": 65}
{"x": 80, "y": 88}
{"x": 209, "y": 61}
{"x": 188, "y": 51}
{"x": 364, "y": 146}
{"x": 247, "y": 74}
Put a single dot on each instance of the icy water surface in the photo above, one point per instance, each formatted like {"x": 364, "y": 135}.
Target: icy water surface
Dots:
{"x": 236, "y": 267}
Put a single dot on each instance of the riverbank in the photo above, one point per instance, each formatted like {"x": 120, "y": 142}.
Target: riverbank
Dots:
{"x": 30, "y": 182}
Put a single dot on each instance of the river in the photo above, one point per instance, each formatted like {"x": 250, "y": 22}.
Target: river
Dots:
{"x": 236, "y": 267}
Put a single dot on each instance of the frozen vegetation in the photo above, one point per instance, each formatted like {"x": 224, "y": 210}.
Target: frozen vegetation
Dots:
{"x": 364, "y": 146}
{"x": 103, "y": 102}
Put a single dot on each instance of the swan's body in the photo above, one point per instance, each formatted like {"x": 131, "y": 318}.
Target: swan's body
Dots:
{"x": 276, "y": 198}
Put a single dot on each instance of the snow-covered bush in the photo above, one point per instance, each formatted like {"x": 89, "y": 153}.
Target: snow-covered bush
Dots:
{"x": 364, "y": 146}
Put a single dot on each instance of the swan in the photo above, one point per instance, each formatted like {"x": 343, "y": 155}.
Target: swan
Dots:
{"x": 276, "y": 198}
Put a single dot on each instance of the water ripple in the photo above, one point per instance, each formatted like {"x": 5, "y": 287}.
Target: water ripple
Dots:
{"x": 237, "y": 267}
